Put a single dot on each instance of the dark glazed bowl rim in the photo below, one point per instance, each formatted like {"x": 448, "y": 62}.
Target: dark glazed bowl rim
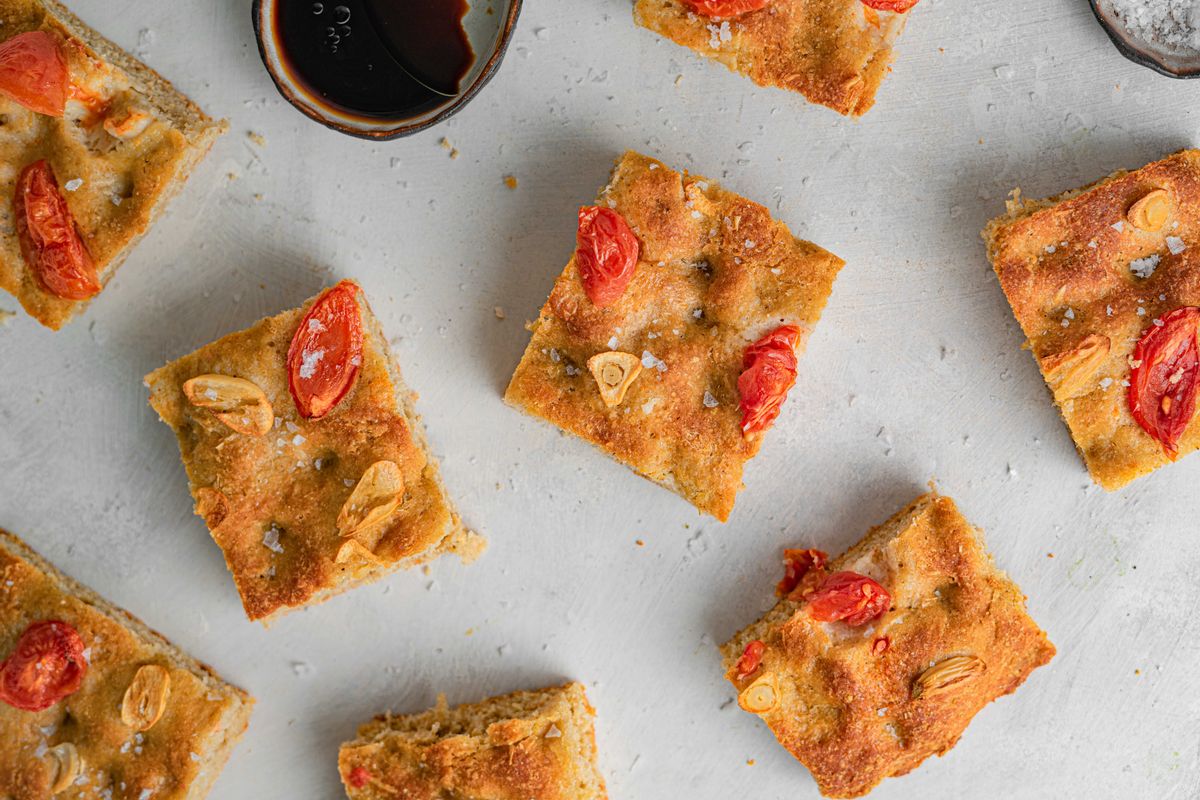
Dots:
{"x": 262, "y": 30}
{"x": 1135, "y": 54}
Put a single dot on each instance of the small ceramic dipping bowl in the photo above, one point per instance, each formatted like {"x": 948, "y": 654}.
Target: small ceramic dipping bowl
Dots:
{"x": 1159, "y": 59}
{"x": 488, "y": 24}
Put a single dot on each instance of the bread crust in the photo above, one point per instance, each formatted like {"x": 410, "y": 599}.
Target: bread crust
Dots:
{"x": 297, "y": 477}
{"x": 1065, "y": 268}
{"x": 176, "y": 759}
{"x": 126, "y": 180}
{"x": 834, "y": 52}
{"x": 523, "y": 745}
{"x": 848, "y": 712}
{"x": 715, "y": 274}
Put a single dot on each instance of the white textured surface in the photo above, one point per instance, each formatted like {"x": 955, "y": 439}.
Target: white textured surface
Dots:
{"x": 915, "y": 372}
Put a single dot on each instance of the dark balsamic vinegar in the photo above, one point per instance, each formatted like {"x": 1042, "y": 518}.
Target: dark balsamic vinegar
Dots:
{"x": 380, "y": 59}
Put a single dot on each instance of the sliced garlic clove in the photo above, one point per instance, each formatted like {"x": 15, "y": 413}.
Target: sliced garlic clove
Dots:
{"x": 1069, "y": 371}
{"x": 354, "y": 550}
{"x": 146, "y": 698}
{"x": 1151, "y": 211}
{"x": 65, "y": 766}
{"x": 761, "y": 696}
{"x": 377, "y": 495}
{"x": 237, "y": 402}
{"x": 614, "y": 372}
{"x": 947, "y": 675}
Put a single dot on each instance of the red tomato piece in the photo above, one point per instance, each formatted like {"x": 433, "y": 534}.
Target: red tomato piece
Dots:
{"x": 359, "y": 777}
{"x": 750, "y": 660}
{"x": 725, "y": 8}
{"x": 898, "y": 6}
{"x": 606, "y": 254}
{"x": 796, "y": 565}
{"x": 848, "y": 596}
{"x": 34, "y": 73}
{"x": 50, "y": 240}
{"x": 46, "y": 666}
{"x": 326, "y": 351}
{"x": 1163, "y": 380}
{"x": 768, "y": 372}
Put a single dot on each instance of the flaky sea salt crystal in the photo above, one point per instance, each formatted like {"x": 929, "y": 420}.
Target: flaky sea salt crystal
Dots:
{"x": 271, "y": 540}
{"x": 1144, "y": 267}
{"x": 308, "y": 362}
{"x": 650, "y": 361}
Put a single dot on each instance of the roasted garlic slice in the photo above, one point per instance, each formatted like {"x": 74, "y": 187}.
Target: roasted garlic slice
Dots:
{"x": 237, "y": 402}
{"x": 376, "y": 497}
{"x": 146, "y": 698}
{"x": 614, "y": 372}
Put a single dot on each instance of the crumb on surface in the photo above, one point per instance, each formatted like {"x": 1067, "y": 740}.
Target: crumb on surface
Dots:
{"x": 257, "y": 138}
{"x": 499, "y": 312}
{"x": 510, "y": 181}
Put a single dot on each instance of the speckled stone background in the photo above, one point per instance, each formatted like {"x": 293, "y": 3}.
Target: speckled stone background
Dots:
{"x": 915, "y": 372}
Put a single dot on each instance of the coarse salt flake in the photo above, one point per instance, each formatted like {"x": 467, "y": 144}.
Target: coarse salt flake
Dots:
{"x": 308, "y": 362}
{"x": 650, "y": 361}
{"x": 1175, "y": 245}
{"x": 1144, "y": 267}
{"x": 270, "y": 540}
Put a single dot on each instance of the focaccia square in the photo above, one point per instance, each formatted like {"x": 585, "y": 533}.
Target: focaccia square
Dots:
{"x": 538, "y": 745}
{"x": 126, "y": 143}
{"x": 1089, "y": 274}
{"x": 276, "y": 490}
{"x": 715, "y": 273}
{"x": 147, "y": 720}
{"x": 834, "y": 52}
{"x": 857, "y": 704}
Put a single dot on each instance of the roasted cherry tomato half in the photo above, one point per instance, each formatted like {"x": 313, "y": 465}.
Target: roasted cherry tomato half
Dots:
{"x": 33, "y": 72}
{"x": 768, "y": 371}
{"x": 326, "y": 351}
{"x": 1163, "y": 380}
{"x": 606, "y": 254}
{"x": 50, "y": 241}
{"x": 724, "y": 8}
{"x": 797, "y": 564}
{"x": 46, "y": 665}
{"x": 750, "y": 660}
{"x": 855, "y": 599}
{"x": 898, "y": 6}
{"x": 358, "y": 777}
